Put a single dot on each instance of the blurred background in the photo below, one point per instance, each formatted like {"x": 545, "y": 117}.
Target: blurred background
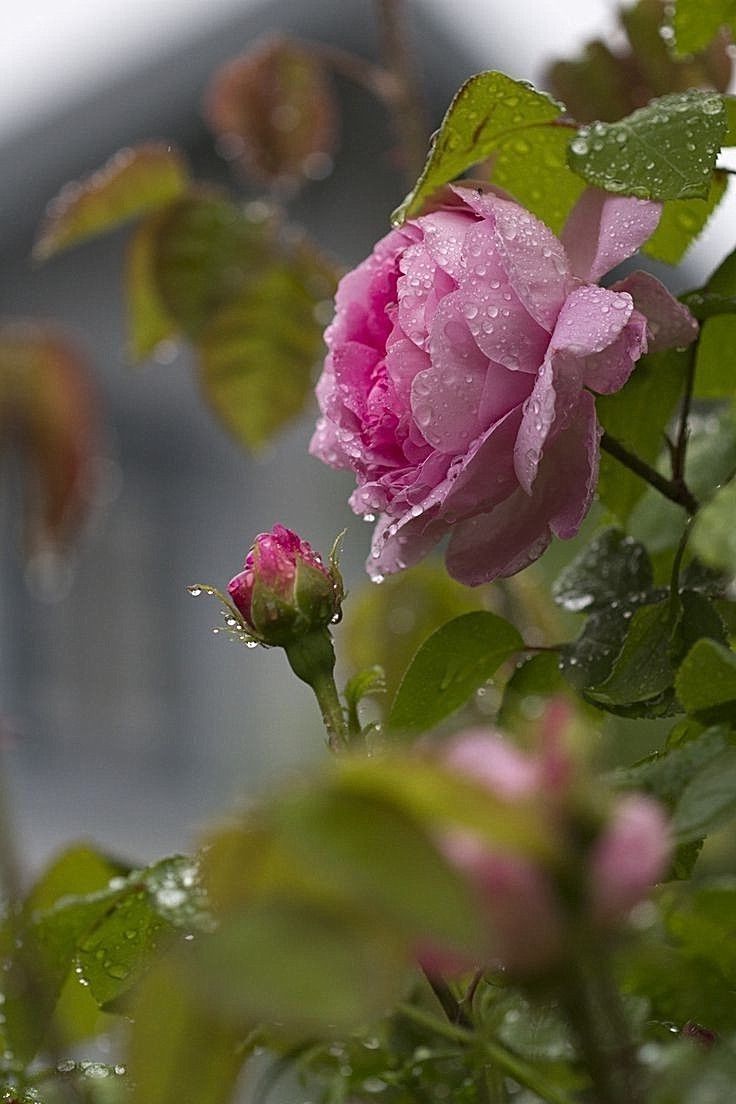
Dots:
{"x": 124, "y": 718}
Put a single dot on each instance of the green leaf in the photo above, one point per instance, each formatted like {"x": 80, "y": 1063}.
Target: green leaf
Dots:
{"x": 364, "y": 847}
{"x": 487, "y": 109}
{"x": 637, "y": 416}
{"x": 76, "y": 871}
{"x": 715, "y": 359}
{"x": 132, "y": 183}
{"x": 149, "y": 323}
{"x": 709, "y": 801}
{"x": 666, "y": 150}
{"x": 667, "y": 774}
{"x": 644, "y": 668}
{"x": 711, "y": 460}
{"x": 682, "y": 221}
{"x": 714, "y": 534}
{"x": 439, "y": 799}
{"x": 551, "y": 189}
{"x": 697, "y": 22}
{"x": 611, "y": 567}
{"x": 589, "y": 659}
{"x": 450, "y": 666}
{"x": 706, "y": 682}
{"x": 535, "y": 679}
{"x": 205, "y": 251}
{"x": 258, "y": 353}
{"x": 388, "y": 623}
{"x": 314, "y": 967}
{"x": 179, "y": 1050}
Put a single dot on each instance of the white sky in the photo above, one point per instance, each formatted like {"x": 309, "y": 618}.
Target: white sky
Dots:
{"x": 51, "y": 51}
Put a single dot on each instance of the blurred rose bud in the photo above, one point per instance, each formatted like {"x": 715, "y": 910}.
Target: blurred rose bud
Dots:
{"x": 285, "y": 590}
{"x": 629, "y": 857}
{"x": 609, "y": 862}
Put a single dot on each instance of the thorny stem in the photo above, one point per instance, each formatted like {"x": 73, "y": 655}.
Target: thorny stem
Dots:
{"x": 407, "y": 103}
{"x": 504, "y": 1059}
{"x": 675, "y": 491}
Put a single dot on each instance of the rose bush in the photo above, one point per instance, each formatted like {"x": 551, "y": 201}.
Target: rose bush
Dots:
{"x": 462, "y": 363}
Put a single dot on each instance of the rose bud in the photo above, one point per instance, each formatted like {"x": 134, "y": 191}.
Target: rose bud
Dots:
{"x": 629, "y": 857}
{"x": 285, "y": 590}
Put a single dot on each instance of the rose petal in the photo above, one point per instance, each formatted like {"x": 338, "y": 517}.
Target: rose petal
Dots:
{"x": 669, "y": 323}
{"x": 555, "y": 393}
{"x": 485, "y": 476}
{"x": 444, "y": 234}
{"x": 400, "y": 544}
{"x": 509, "y": 537}
{"x": 445, "y": 397}
{"x": 608, "y": 371}
{"x": 498, "y": 320}
{"x": 533, "y": 258}
{"x": 590, "y": 320}
{"x": 602, "y": 230}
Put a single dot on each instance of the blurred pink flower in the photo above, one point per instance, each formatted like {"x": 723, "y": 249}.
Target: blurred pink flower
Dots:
{"x": 529, "y": 911}
{"x": 629, "y": 857}
{"x": 462, "y": 363}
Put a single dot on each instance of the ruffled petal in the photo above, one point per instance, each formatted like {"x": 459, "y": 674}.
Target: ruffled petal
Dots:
{"x": 444, "y": 234}
{"x": 509, "y": 537}
{"x": 608, "y": 371}
{"x": 556, "y": 392}
{"x": 602, "y": 230}
{"x": 498, "y": 320}
{"x": 591, "y": 320}
{"x": 485, "y": 475}
{"x": 398, "y": 544}
{"x": 669, "y": 323}
{"x": 446, "y": 396}
{"x": 533, "y": 258}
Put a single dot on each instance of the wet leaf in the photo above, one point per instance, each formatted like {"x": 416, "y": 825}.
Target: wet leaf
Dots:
{"x": 132, "y": 183}
{"x": 706, "y": 682}
{"x": 535, "y": 679}
{"x": 644, "y": 668}
{"x": 258, "y": 354}
{"x": 551, "y": 189}
{"x": 49, "y": 412}
{"x": 450, "y": 666}
{"x": 666, "y": 150}
{"x": 611, "y": 568}
{"x": 273, "y": 109}
{"x": 682, "y": 221}
{"x": 709, "y": 801}
{"x": 488, "y": 108}
{"x": 607, "y": 84}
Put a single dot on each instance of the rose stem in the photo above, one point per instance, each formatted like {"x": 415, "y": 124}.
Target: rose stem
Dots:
{"x": 675, "y": 490}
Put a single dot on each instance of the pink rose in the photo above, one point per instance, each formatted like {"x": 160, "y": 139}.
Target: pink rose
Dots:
{"x": 462, "y": 363}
